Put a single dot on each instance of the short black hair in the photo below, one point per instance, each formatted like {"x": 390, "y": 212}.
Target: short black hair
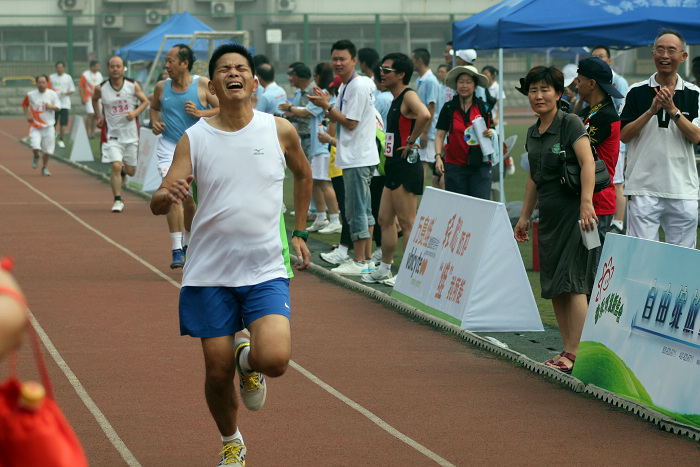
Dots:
{"x": 491, "y": 69}
{"x": 444, "y": 65}
{"x": 60, "y": 62}
{"x": 551, "y": 75}
{"x": 607, "y": 50}
{"x": 185, "y": 53}
{"x": 376, "y": 69}
{"x": 424, "y": 55}
{"x": 367, "y": 55}
{"x": 301, "y": 71}
{"x": 266, "y": 72}
{"x": 94, "y": 62}
{"x": 345, "y": 44}
{"x": 294, "y": 65}
{"x": 42, "y": 76}
{"x": 230, "y": 48}
{"x": 664, "y": 31}
{"x": 325, "y": 74}
{"x": 402, "y": 64}
{"x": 260, "y": 59}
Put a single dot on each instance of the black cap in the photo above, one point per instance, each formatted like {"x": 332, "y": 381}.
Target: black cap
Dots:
{"x": 596, "y": 69}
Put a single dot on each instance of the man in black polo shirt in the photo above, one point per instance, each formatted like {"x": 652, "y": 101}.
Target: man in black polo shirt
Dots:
{"x": 660, "y": 123}
{"x": 603, "y": 126}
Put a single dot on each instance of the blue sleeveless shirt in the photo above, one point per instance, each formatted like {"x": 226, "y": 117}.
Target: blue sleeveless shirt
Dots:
{"x": 172, "y": 108}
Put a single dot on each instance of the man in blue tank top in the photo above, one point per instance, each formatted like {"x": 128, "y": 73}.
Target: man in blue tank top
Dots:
{"x": 178, "y": 103}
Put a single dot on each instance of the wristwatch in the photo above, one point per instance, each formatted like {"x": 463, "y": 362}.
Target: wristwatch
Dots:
{"x": 328, "y": 110}
{"x": 677, "y": 116}
{"x": 439, "y": 154}
{"x": 289, "y": 109}
{"x": 303, "y": 234}
{"x": 408, "y": 141}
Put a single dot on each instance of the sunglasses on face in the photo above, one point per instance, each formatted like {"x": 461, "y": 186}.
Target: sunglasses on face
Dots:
{"x": 386, "y": 70}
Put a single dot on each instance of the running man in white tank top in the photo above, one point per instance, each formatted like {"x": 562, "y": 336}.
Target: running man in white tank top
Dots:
{"x": 237, "y": 271}
{"x": 118, "y": 96}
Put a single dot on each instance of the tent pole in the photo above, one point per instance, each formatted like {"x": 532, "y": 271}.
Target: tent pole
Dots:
{"x": 501, "y": 130}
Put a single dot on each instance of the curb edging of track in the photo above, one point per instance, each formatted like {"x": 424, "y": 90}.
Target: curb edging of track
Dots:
{"x": 662, "y": 421}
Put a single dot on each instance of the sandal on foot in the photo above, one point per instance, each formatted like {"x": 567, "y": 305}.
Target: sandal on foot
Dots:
{"x": 551, "y": 360}
{"x": 561, "y": 366}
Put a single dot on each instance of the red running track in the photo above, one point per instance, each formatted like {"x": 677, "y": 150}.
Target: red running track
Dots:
{"x": 367, "y": 386}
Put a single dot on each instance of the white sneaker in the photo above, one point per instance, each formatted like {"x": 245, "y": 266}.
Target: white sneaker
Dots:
{"x": 35, "y": 161}
{"x": 318, "y": 225}
{"x": 375, "y": 277}
{"x": 45, "y": 172}
{"x": 61, "y": 144}
{"x": 118, "y": 206}
{"x": 390, "y": 282}
{"x": 233, "y": 454}
{"x": 335, "y": 257}
{"x": 331, "y": 228}
{"x": 377, "y": 255}
{"x": 351, "y": 268}
{"x": 252, "y": 384}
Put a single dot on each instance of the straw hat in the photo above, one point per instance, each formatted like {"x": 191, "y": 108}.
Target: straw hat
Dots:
{"x": 454, "y": 74}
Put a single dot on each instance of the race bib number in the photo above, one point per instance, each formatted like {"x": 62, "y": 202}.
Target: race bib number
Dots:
{"x": 389, "y": 145}
{"x": 119, "y": 107}
{"x": 40, "y": 107}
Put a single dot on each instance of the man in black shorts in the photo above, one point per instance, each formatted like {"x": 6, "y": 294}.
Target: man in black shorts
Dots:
{"x": 408, "y": 118}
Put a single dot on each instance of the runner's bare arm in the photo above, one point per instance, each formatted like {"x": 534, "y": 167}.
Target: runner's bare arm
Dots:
{"x": 156, "y": 118}
{"x": 206, "y": 98}
{"x": 300, "y": 168}
{"x": 176, "y": 184}
{"x": 96, "y": 105}
{"x": 141, "y": 96}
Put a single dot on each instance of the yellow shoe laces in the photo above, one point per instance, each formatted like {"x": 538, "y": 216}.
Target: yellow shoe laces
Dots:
{"x": 232, "y": 453}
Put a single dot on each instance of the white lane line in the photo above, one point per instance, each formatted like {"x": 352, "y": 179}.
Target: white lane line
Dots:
{"x": 373, "y": 418}
{"x": 94, "y": 230}
{"x": 313, "y": 378}
{"x": 107, "y": 428}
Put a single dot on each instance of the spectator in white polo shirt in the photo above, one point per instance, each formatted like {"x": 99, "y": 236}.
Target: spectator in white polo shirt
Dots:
{"x": 660, "y": 124}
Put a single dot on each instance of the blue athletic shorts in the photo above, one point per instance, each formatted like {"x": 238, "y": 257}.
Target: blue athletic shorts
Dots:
{"x": 224, "y": 311}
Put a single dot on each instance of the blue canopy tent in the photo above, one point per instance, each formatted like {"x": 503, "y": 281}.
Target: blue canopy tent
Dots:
{"x": 550, "y": 23}
{"x": 147, "y": 46}
{"x": 547, "y": 23}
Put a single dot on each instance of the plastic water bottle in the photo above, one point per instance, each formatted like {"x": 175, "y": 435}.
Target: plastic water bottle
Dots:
{"x": 412, "y": 156}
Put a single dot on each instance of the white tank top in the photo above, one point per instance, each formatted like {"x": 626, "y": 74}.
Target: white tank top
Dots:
{"x": 117, "y": 103}
{"x": 238, "y": 233}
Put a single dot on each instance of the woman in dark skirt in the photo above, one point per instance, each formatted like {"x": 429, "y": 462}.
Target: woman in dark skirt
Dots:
{"x": 566, "y": 266}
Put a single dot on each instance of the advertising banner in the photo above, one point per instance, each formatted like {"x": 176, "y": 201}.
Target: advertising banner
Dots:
{"x": 146, "y": 177}
{"x": 641, "y": 338}
{"x": 463, "y": 265}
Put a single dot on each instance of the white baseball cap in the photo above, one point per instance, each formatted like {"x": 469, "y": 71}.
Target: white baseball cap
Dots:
{"x": 468, "y": 55}
{"x": 570, "y": 74}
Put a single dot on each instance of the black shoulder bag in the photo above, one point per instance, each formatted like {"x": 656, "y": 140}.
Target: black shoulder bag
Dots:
{"x": 571, "y": 170}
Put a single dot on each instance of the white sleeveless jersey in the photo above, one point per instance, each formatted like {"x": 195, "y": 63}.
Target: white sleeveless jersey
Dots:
{"x": 36, "y": 101}
{"x": 116, "y": 104}
{"x": 238, "y": 233}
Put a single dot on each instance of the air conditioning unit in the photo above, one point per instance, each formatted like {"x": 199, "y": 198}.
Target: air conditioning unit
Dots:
{"x": 155, "y": 16}
{"x": 72, "y": 5}
{"x": 286, "y": 5}
{"x": 222, "y": 9}
{"x": 112, "y": 21}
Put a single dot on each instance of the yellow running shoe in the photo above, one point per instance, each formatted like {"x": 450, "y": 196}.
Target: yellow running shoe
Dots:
{"x": 233, "y": 454}
{"x": 253, "y": 387}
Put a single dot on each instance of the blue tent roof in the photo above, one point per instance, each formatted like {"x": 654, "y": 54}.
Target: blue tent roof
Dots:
{"x": 146, "y": 47}
{"x": 551, "y": 23}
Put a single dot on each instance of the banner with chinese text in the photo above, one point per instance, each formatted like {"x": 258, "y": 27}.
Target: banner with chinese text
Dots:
{"x": 463, "y": 265}
{"x": 641, "y": 338}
